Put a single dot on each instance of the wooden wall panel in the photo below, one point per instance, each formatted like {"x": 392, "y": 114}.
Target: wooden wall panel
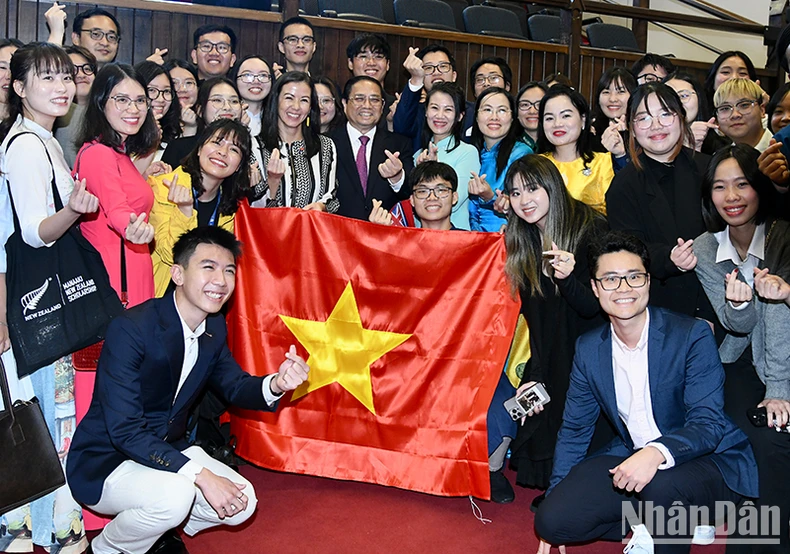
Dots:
{"x": 148, "y": 25}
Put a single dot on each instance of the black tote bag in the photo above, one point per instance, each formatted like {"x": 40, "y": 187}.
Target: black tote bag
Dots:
{"x": 29, "y": 465}
{"x": 59, "y": 297}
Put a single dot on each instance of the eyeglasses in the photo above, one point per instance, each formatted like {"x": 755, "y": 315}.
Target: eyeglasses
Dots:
{"x": 123, "y": 103}
{"x": 442, "y": 67}
{"x": 219, "y": 102}
{"x": 326, "y": 101}
{"x": 293, "y": 40}
{"x": 98, "y": 34}
{"x": 207, "y": 46}
{"x": 250, "y": 78}
{"x": 86, "y": 68}
{"x": 492, "y": 79}
{"x": 188, "y": 84}
{"x": 371, "y": 56}
{"x": 612, "y": 282}
{"x": 525, "y": 105}
{"x": 440, "y": 192}
{"x": 154, "y": 93}
{"x": 685, "y": 95}
{"x": 648, "y": 78}
{"x": 645, "y": 121}
{"x": 360, "y": 99}
{"x": 489, "y": 111}
{"x": 744, "y": 107}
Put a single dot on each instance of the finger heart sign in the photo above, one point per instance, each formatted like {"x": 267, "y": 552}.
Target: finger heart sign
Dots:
{"x": 391, "y": 168}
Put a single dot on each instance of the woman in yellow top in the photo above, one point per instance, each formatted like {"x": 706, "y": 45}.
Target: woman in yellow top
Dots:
{"x": 564, "y": 137}
{"x": 205, "y": 190}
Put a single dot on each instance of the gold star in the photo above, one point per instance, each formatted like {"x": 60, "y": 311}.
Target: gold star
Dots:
{"x": 341, "y": 350}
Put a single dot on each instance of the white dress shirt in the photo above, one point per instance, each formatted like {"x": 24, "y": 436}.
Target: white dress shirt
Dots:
{"x": 353, "y": 135}
{"x": 191, "y": 351}
{"x": 754, "y": 255}
{"x": 632, "y": 391}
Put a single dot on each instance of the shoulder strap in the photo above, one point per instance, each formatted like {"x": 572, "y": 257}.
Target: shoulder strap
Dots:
{"x": 55, "y": 192}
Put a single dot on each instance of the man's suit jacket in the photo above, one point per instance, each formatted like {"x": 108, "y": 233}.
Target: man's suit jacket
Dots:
{"x": 133, "y": 415}
{"x": 353, "y": 202}
{"x": 686, "y": 389}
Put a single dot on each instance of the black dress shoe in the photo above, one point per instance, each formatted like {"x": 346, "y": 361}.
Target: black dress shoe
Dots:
{"x": 501, "y": 489}
{"x": 536, "y": 502}
{"x": 169, "y": 543}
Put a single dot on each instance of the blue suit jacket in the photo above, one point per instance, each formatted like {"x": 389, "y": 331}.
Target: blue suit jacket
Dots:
{"x": 133, "y": 415}
{"x": 686, "y": 388}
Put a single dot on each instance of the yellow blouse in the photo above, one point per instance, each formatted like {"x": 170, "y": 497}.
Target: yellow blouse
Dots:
{"x": 588, "y": 185}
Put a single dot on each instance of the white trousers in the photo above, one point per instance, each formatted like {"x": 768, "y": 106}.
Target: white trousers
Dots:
{"x": 148, "y": 502}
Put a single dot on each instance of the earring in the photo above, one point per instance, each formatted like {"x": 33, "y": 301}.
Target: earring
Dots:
{"x": 308, "y": 121}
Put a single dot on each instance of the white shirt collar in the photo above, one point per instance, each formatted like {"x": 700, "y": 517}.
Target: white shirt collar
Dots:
{"x": 35, "y": 127}
{"x": 642, "y": 338}
{"x": 727, "y": 251}
{"x": 189, "y": 333}
{"x": 765, "y": 141}
{"x": 354, "y": 134}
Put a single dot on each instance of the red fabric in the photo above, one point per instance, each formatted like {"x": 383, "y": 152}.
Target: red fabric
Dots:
{"x": 445, "y": 288}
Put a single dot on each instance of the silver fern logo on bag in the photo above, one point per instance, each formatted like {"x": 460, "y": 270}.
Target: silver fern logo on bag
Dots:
{"x": 32, "y": 299}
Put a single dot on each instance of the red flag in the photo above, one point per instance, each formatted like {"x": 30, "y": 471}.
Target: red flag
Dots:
{"x": 406, "y": 332}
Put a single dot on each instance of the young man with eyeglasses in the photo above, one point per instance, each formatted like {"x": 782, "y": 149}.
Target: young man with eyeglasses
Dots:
{"x": 213, "y": 50}
{"x": 739, "y": 113}
{"x": 651, "y": 68}
{"x": 428, "y": 66}
{"x": 98, "y": 32}
{"x": 372, "y": 162}
{"x": 369, "y": 54}
{"x": 490, "y": 72}
{"x": 297, "y": 44}
{"x": 657, "y": 377}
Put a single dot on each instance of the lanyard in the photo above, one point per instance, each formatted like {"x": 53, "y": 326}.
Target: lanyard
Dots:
{"x": 212, "y": 222}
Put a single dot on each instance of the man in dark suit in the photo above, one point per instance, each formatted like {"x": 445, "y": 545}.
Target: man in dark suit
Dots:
{"x": 657, "y": 377}
{"x": 129, "y": 457}
{"x": 371, "y": 161}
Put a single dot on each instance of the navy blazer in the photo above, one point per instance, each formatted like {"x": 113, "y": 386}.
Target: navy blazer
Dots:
{"x": 686, "y": 389}
{"x": 135, "y": 414}
{"x": 353, "y": 202}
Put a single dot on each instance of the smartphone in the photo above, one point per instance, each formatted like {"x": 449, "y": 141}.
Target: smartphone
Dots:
{"x": 523, "y": 404}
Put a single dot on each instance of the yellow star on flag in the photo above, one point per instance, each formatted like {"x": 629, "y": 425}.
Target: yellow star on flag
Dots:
{"x": 341, "y": 349}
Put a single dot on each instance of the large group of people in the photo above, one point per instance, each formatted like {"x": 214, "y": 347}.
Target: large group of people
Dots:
{"x": 646, "y": 233}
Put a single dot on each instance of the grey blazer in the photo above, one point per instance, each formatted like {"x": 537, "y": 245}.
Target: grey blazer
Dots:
{"x": 763, "y": 324}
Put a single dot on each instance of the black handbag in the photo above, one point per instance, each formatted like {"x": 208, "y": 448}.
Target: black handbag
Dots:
{"x": 29, "y": 465}
{"x": 59, "y": 297}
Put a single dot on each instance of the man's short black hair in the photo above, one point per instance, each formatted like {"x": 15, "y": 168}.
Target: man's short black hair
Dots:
{"x": 431, "y": 170}
{"x": 437, "y": 48}
{"x": 656, "y": 60}
{"x": 374, "y": 42}
{"x": 214, "y": 28}
{"x": 93, "y": 12}
{"x": 616, "y": 241}
{"x": 187, "y": 243}
{"x": 354, "y": 80}
{"x": 507, "y": 73}
{"x": 782, "y": 45}
{"x": 294, "y": 21}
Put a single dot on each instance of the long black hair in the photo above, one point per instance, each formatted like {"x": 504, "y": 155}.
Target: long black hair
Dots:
{"x": 95, "y": 125}
{"x": 235, "y": 187}
{"x": 311, "y": 126}
{"x": 669, "y": 101}
{"x": 704, "y": 111}
{"x": 170, "y": 122}
{"x": 36, "y": 57}
{"x": 618, "y": 75}
{"x": 710, "y": 80}
{"x": 513, "y": 135}
{"x": 204, "y": 93}
{"x": 584, "y": 146}
{"x": 459, "y": 102}
{"x": 340, "y": 115}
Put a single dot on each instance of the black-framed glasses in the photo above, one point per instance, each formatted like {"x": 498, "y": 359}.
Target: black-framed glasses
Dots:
{"x": 645, "y": 121}
{"x": 440, "y": 192}
{"x": 744, "y": 107}
{"x": 154, "y": 93}
{"x": 648, "y": 78}
{"x": 250, "y": 78}
{"x": 442, "y": 67}
{"x": 98, "y": 34}
{"x": 525, "y": 105}
{"x": 207, "y": 46}
{"x": 293, "y": 40}
{"x": 612, "y": 282}
{"x": 86, "y": 68}
{"x": 123, "y": 103}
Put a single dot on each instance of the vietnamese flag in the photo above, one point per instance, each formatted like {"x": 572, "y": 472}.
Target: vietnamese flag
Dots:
{"x": 406, "y": 332}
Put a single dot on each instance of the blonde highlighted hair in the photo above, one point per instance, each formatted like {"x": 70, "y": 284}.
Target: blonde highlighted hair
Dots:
{"x": 739, "y": 88}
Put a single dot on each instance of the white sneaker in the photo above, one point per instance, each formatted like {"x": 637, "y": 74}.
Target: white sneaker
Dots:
{"x": 704, "y": 535}
{"x": 641, "y": 542}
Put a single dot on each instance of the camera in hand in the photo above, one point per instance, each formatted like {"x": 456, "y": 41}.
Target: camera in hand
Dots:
{"x": 525, "y": 403}
{"x": 759, "y": 418}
